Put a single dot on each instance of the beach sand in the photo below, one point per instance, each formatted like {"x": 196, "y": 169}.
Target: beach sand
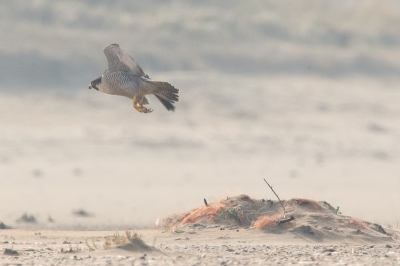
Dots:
{"x": 194, "y": 245}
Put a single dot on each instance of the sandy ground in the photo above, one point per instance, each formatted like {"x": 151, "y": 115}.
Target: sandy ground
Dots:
{"x": 234, "y": 231}
{"x": 205, "y": 246}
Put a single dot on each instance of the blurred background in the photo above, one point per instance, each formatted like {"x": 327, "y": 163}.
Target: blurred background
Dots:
{"x": 302, "y": 93}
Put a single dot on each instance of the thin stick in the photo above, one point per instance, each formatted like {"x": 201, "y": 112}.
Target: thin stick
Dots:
{"x": 205, "y": 202}
{"x": 291, "y": 218}
{"x": 284, "y": 211}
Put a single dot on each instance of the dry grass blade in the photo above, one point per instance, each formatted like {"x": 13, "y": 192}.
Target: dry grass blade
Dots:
{"x": 107, "y": 243}
{"x": 90, "y": 248}
{"x": 94, "y": 244}
{"x": 357, "y": 223}
{"x": 128, "y": 235}
{"x": 118, "y": 240}
{"x": 266, "y": 222}
{"x": 210, "y": 212}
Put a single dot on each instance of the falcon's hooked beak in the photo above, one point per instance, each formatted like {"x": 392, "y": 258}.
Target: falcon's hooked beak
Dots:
{"x": 91, "y": 86}
{"x": 94, "y": 83}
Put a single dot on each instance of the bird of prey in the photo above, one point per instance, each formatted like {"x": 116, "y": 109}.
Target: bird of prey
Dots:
{"x": 124, "y": 77}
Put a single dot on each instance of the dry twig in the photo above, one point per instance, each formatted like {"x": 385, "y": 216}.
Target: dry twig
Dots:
{"x": 291, "y": 218}
{"x": 205, "y": 202}
{"x": 284, "y": 211}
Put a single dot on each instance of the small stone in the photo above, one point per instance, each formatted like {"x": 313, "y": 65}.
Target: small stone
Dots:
{"x": 10, "y": 252}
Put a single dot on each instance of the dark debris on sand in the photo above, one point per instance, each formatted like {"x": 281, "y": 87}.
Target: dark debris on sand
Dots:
{"x": 4, "y": 226}
{"x": 27, "y": 218}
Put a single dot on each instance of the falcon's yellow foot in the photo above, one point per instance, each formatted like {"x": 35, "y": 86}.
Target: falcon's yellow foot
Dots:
{"x": 139, "y": 106}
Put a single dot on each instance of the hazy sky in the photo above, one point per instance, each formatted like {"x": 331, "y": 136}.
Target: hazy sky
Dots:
{"x": 59, "y": 43}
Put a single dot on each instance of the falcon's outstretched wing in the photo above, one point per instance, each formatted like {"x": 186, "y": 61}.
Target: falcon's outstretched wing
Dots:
{"x": 119, "y": 60}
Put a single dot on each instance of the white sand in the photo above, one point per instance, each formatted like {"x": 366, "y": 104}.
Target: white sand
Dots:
{"x": 207, "y": 246}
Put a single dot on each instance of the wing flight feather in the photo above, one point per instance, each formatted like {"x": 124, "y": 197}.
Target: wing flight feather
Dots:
{"x": 119, "y": 60}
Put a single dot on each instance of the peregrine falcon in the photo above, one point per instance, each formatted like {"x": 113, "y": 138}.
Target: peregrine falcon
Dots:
{"x": 124, "y": 77}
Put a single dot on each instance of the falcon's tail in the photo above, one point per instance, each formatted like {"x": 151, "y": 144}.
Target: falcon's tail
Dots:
{"x": 166, "y": 93}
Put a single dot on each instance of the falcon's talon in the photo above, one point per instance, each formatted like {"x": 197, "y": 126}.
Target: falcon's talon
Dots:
{"x": 139, "y": 106}
{"x": 146, "y": 110}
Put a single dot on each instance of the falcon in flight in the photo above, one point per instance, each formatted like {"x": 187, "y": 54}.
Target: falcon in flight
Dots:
{"x": 124, "y": 77}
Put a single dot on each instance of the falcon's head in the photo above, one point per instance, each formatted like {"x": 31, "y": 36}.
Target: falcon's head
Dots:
{"x": 95, "y": 84}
